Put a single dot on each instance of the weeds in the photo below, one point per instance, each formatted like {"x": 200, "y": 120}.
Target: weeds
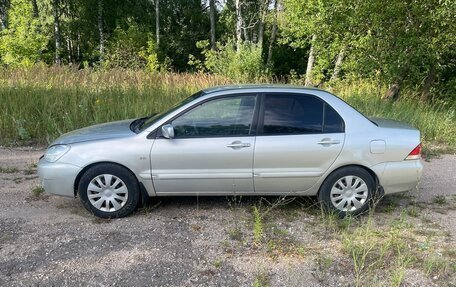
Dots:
{"x": 436, "y": 265}
{"x": 235, "y": 234}
{"x": 218, "y": 262}
{"x": 8, "y": 169}
{"x": 262, "y": 279}
{"x": 258, "y": 228}
{"x": 440, "y": 200}
{"x": 37, "y": 191}
{"x": 372, "y": 249}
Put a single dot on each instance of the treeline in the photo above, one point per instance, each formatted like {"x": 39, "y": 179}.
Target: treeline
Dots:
{"x": 402, "y": 45}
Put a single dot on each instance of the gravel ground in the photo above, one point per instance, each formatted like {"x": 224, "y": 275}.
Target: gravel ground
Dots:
{"x": 53, "y": 241}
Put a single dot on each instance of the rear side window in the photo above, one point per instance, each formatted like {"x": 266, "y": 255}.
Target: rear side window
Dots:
{"x": 299, "y": 114}
{"x": 333, "y": 122}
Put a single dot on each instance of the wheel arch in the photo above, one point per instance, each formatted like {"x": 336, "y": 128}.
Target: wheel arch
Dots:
{"x": 86, "y": 168}
{"x": 370, "y": 171}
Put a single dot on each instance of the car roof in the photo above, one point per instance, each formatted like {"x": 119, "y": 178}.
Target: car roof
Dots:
{"x": 246, "y": 87}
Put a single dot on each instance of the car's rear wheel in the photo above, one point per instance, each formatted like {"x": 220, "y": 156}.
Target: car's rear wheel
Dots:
{"x": 109, "y": 191}
{"x": 347, "y": 191}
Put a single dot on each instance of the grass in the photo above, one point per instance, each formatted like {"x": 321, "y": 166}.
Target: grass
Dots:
{"x": 377, "y": 249}
{"x": 8, "y": 169}
{"x": 434, "y": 120}
{"x": 258, "y": 227}
{"x": 262, "y": 279}
{"x": 37, "y": 191}
{"x": 40, "y": 103}
{"x": 440, "y": 200}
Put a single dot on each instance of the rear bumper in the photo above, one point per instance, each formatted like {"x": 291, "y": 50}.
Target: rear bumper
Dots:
{"x": 58, "y": 178}
{"x": 399, "y": 176}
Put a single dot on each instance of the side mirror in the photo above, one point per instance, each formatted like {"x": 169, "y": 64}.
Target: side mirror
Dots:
{"x": 167, "y": 131}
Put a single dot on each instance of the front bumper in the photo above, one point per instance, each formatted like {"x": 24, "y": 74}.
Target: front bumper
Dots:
{"x": 399, "y": 176}
{"x": 58, "y": 178}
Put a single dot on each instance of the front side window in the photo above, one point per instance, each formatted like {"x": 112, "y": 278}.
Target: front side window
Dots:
{"x": 231, "y": 116}
{"x": 298, "y": 114}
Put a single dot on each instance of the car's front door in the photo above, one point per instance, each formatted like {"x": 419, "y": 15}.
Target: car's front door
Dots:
{"x": 299, "y": 137}
{"x": 212, "y": 149}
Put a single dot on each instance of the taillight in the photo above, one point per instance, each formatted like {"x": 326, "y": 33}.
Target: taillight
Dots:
{"x": 415, "y": 153}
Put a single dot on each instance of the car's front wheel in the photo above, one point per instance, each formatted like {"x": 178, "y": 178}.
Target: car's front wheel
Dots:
{"x": 347, "y": 191}
{"x": 109, "y": 191}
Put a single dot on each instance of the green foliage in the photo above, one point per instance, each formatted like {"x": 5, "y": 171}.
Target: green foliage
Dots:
{"x": 38, "y": 104}
{"x": 243, "y": 65}
{"x": 150, "y": 54}
{"x": 8, "y": 169}
{"x": 127, "y": 48}
{"x": 37, "y": 191}
{"x": 410, "y": 43}
{"x": 434, "y": 120}
{"x": 258, "y": 226}
{"x": 22, "y": 42}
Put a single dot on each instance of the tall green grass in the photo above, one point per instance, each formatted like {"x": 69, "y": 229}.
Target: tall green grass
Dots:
{"x": 436, "y": 120}
{"x": 39, "y": 104}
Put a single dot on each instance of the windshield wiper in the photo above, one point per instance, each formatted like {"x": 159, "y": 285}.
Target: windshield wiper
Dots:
{"x": 134, "y": 125}
{"x": 137, "y": 124}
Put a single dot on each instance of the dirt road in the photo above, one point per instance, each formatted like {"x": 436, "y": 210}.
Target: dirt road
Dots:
{"x": 53, "y": 241}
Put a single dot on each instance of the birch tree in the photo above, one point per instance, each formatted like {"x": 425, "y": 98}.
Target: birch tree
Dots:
{"x": 157, "y": 23}
{"x": 57, "y": 36}
{"x": 212, "y": 13}
{"x": 238, "y": 25}
{"x": 101, "y": 30}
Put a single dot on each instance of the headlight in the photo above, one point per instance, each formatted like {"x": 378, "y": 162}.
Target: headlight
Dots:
{"x": 55, "y": 152}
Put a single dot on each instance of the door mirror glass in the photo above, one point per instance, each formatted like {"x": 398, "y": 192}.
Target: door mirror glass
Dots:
{"x": 168, "y": 131}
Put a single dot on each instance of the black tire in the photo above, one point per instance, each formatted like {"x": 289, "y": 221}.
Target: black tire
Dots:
{"x": 128, "y": 179}
{"x": 328, "y": 200}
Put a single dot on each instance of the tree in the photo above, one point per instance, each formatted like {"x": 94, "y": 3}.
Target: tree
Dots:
{"x": 21, "y": 42}
{"x": 238, "y": 25}
{"x": 57, "y": 36}
{"x": 4, "y": 6}
{"x": 101, "y": 29}
{"x": 273, "y": 33}
{"x": 212, "y": 12}
{"x": 157, "y": 22}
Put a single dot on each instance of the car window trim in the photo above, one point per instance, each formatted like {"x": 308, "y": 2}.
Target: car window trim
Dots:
{"x": 260, "y": 127}
{"x": 253, "y": 129}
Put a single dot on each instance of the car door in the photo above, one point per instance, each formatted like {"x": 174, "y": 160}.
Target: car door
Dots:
{"x": 212, "y": 149}
{"x": 299, "y": 137}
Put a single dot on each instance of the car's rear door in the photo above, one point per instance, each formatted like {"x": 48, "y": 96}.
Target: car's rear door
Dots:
{"x": 212, "y": 151}
{"x": 298, "y": 138}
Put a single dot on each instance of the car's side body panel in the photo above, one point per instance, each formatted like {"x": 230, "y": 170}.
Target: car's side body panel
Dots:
{"x": 293, "y": 163}
{"x": 202, "y": 165}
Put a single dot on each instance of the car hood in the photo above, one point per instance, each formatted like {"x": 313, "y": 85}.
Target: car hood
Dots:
{"x": 112, "y": 130}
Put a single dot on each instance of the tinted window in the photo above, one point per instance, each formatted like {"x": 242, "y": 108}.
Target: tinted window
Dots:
{"x": 151, "y": 120}
{"x": 221, "y": 117}
{"x": 292, "y": 114}
{"x": 333, "y": 122}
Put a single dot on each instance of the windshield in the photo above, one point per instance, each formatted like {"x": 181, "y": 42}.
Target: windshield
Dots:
{"x": 154, "y": 118}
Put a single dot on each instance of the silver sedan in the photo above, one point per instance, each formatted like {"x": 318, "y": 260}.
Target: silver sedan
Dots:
{"x": 237, "y": 140}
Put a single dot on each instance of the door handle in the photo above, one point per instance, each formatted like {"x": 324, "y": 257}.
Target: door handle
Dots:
{"x": 327, "y": 141}
{"x": 238, "y": 145}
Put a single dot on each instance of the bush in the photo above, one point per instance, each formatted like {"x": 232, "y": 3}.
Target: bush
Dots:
{"x": 243, "y": 65}
{"x": 132, "y": 48}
